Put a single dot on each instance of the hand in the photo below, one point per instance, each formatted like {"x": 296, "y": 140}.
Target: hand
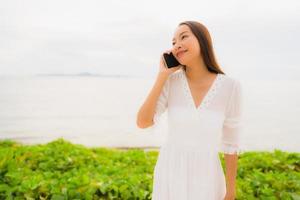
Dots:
{"x": 163, "y": 66}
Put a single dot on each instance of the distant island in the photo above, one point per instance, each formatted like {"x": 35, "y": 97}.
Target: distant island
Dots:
{"x": 86, "y": 74}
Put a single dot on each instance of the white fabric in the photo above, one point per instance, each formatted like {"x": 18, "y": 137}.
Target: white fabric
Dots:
{"x": 188, "y": 165}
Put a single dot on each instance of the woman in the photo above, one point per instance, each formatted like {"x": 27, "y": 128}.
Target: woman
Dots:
{"x": 204, "y": 117}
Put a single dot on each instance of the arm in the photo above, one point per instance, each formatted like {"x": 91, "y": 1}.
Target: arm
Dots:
{"x": 155, "y": 101}
{"x": 231, "y": 172}
{"x": 230, "y": 138}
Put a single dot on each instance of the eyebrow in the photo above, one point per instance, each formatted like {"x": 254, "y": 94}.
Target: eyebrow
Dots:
{"x": 180, "y": 34}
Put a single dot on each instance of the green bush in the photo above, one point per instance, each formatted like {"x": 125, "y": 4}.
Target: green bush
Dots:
{"x": 62, "y": 170}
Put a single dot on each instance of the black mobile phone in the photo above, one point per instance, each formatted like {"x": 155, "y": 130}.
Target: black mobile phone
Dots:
{"x": 170, "y": 60}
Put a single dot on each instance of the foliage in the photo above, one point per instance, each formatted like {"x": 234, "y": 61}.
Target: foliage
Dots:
{"x": 61, "y": 170}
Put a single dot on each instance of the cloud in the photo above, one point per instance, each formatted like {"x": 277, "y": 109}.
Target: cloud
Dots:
{"x": 128, "y": 37}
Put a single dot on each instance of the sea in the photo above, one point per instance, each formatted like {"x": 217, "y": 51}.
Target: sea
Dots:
{"x": 100, "y": 111}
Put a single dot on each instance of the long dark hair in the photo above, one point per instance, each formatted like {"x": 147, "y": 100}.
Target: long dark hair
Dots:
{"x": 205, "y": 43}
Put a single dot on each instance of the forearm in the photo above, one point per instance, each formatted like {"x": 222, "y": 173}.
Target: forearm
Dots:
{"x": 146, "y": 112}
{"x": 231, "y": 162}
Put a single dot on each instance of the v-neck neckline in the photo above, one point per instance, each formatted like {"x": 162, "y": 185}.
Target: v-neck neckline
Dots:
{"x": 207, "y": 95}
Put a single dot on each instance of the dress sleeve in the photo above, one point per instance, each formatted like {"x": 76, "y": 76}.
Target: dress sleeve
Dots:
{"x": 162, "y": 103}
{"x": 230, "y": 140}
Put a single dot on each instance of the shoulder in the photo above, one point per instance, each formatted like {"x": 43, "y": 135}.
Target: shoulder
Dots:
{"x": 231, "y": 81}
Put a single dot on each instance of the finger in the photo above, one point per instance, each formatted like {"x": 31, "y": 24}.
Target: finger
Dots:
{"x": 165, "y": 64}
{"x": 167, "y": 51}
{"x": 162, "y": 60}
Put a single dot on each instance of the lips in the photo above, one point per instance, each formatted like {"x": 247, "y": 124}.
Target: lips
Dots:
{"x": 180, "y": 53}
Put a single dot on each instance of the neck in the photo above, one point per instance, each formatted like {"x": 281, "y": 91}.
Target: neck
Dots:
{"x": 196, "y": 71}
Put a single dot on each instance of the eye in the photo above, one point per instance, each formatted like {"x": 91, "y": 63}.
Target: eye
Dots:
{"x": 181, "y": 38}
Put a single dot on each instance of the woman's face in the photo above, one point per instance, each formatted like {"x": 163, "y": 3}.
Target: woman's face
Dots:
{"x": 185, "y": 46}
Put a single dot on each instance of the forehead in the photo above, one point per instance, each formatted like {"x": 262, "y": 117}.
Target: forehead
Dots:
{"x": 180, "y": 29}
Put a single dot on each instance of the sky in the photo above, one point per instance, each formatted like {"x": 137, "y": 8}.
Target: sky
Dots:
{"x": 252, "y": 39}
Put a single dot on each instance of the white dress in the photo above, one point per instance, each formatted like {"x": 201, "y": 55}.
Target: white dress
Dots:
{"x": 188, "y": 165}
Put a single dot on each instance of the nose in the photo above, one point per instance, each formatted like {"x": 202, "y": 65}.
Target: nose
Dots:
{"x": 177, "y": 47}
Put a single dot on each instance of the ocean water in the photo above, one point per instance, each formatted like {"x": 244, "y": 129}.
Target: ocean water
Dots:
{"x": 101, "y": 111}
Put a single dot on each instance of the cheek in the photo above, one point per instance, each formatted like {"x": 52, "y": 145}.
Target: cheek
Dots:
{"x": 193, "y": 47}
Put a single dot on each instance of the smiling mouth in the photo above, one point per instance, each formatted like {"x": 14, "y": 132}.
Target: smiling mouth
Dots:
{"x": 181, "y": 53}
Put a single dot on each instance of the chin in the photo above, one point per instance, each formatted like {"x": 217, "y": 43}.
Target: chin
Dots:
{"x": 183, "y": 62}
